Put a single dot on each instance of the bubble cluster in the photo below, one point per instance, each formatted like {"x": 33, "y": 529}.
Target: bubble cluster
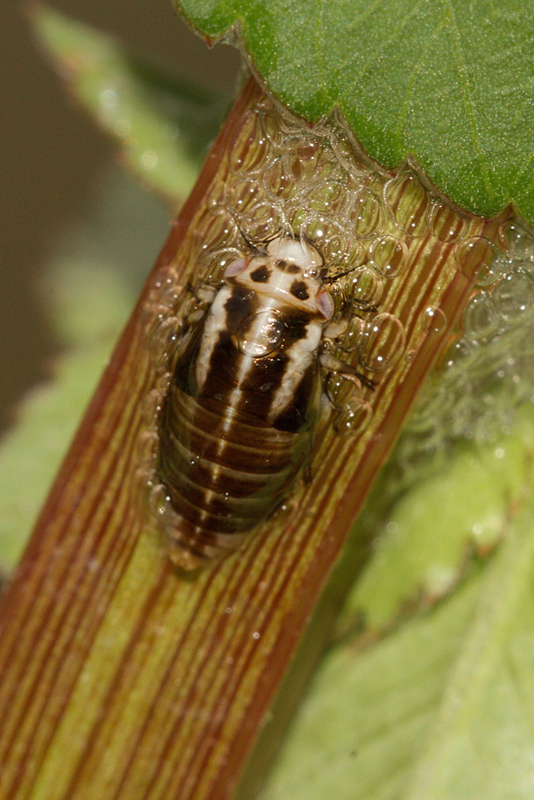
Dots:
{"x": 489, "y": 367}
{"x": 314, "y": 183}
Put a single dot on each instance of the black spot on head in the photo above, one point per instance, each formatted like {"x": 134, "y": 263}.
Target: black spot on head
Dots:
{"x": 287, "y": 266}
{"x": 299, "y": 290}
{"x": 261, "y": 274}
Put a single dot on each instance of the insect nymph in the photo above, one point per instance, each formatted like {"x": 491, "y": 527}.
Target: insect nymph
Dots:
{"x": 238, "y": 419}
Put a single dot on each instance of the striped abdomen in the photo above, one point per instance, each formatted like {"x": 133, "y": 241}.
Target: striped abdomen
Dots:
{"x": 238, "y": 418}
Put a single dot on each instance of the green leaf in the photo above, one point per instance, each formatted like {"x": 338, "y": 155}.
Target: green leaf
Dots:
{"x": 31, "y": 453}
{"x": 163, "y": 125}
{"x": 449, "y": 83}
{"x": 423, "y": 545}
{"x": 441, "y": 709}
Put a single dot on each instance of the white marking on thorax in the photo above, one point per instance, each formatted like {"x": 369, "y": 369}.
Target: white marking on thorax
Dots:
{"x": 274, "y": 294}
{"x": 299, "y": 355}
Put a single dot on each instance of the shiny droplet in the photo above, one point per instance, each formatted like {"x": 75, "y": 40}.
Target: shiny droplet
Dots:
{"x": 365, "y": 287}
{"x": 365, "y": 214}
{"x": 245, "y": 195}
{"x": 351, "y": 339}
{"x": 219, "y": 229}
{"x": 352, "y": 419}
{"x": 327, "y": 197}
{"x": 252, "y": 145}
{"x": 340, "y": 388}
{"x": 407, "y": 201}
{"x": 307, "y": 160}
{"x": 388, "y": 255}
{"x": 457, "y": 353}
{"x": 383, "y": 341}
{"x": 270, "y": 126}
{"x": 278, "y": 180}
{"x": 445, "y": 224}
{"x": 339, "y": 296}
{"x": 344, "y": 150}
{"x": 328, "y": 236}
{"x": 514, "y": 294}
{"x": 262, "y": 222}
{"x": 481, "y": 319}
{"x": 261, "y": 333}
{"x": 434, "y": 320}
{"x": 518, "y": 242}
{"x": 214, "y": 263}
{"x": 477, "y": 258}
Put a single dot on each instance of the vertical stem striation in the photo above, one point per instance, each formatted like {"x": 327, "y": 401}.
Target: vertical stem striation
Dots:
{"x": 120, "y": 677}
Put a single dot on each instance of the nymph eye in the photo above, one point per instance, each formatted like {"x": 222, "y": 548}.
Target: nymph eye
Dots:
{"x": 236, "y": 268}
{"x": 325, "y": 303}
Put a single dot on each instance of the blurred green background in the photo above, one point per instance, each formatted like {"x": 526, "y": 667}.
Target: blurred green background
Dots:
{"x": 55, "y": 159}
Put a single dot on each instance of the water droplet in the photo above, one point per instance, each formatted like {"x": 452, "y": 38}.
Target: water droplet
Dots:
{"x": 327, "y": 197}
{"x": 457, "y": 352}
{"x": 339, "y": 296}
{"x": 278, "y": 180}
{"x": 261, "y": 333}
{"x": 157, "y": 500}
{"x": 341, "y": 387}
{"x": 477, "y": 258}
{"x": 518, "y": 242}
{"x": 445, "y": 223}
{"x": 270, "y": 126}
{"x": 328, "y": 236}
{"x": 481, "y": 319}
{"x": 434, "y": 320}
{"x": 407, "y": 201}
{"x": 214, "y": 262}
{"x": 351, "y": 338}
{"x": 365, "y": 287}
{"x": 344, "y": 150}
{"x": 148, "y": 441}
{"x": 219, "y": 229}
{"x": 252, "y": 146}
{"x": 388, "y": 255}
{"x": 514, "y": 294}
{"x": 245, "y": 195}
{"x": 352, "y": 419}
{"x": 262, "y": 222}
{"x": 307, "y": 160}
{"x": 365, "y": 213}
{"x": 383, "y": 342}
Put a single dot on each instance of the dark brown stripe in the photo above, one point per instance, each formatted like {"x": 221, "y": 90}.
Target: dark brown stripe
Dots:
{"x": 227, "y": 473}
{"x": 241, "y": 304}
